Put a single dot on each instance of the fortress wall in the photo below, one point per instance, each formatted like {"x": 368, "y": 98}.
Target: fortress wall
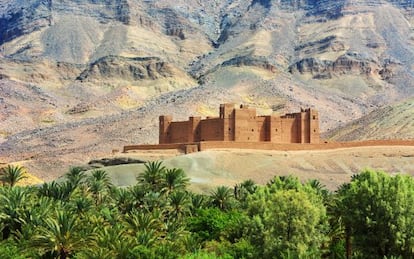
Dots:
{"x": 194, "y": 131}
{"x": 290, "y": 130}
{"x": 261, "y": 129}
{"x": 255, "y": 145}
{"x": 228, "y": 129}
{"x": 242, "y": 125}
{"x": 304, "y": 127}
{"x": 211, "y": 129}
{"x": 275, "y": 130}
{"x": 153, "y": 147}
{"x": 271, "y": 146}
{"x": 299, "y": 146}
{"x": 178, "y": 131}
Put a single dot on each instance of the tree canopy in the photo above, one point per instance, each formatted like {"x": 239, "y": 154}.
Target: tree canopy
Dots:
{"x": 85, "y": 216}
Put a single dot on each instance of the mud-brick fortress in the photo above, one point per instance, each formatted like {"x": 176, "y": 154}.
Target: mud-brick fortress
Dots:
{"x": 242, "y": 125}
{"x": 241, "y": 128}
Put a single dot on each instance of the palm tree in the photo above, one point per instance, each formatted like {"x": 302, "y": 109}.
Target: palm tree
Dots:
{"x": 59, "y": 191}
{"x": 110, "y": 242}
{"x": 249, "y": 185}
{"x": 99, "y": 183}
{"x": 198, "y": 201}
{"x": 81, "y": 205}
{"x": 140, "y": 221}
{"x": 75, "y": 176}
{"x": 12, "y": 174}
{"x": 152, "y": 177}
{"x": 138, "y": 195}
{"x": 221, "y": 197}
{"x": 179, "y": 203}
{"x": 242, "y": 190}
{"x": 174, "y": 231}
{"x": 154, "y": 201}
{"x": 174, "y": 179}
{"x": 102, "y": 176}
{"x": 319, "y": 188}
{"x": 59, "y": 236}
{"x": 123, "y": 199}
{"x": 13, "y": 205}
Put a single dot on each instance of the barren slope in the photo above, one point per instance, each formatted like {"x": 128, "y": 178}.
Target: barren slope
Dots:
{"x": 386, "y": 123}
{"x": 80, "y": 78}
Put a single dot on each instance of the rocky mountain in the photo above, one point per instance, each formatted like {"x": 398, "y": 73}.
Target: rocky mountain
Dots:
{"x": 384, "y": 123}
{"x": 84, "y": 64}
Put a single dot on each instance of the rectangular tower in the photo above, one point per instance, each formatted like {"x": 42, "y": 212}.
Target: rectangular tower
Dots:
{"x": 164, "y": 123}
{"x": 314, "y": 126}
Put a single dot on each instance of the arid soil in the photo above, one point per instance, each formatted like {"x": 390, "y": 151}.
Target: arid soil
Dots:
{"x": 230, "y": 166}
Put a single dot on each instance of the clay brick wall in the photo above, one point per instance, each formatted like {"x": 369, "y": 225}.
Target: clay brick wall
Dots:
{"x": 289, "y": 130}
{"x": 212, "y": 129}
{"x": 270, "y": 146}
{"x": 178, "y": 132}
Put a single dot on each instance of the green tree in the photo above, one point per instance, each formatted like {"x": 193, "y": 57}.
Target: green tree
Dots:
{"x": 377, "y": 211}
{"x": 179, "y": 203}
{"x": 221, "y": 197}
{"x": 60, "y": 236}
{"x": 242, "y": 190}
{"x": 152, "y": 177}
{"x": 286, "y": 220}
{"x": 174, "y": 179}
{"x": 99, "y": 184}
{"x": 75, "y": 176}
{"x": 295, "y": 223}
{"x": 14, "y": 206}
{"x": 213, "y": 223}
{"x": 12, "y": 174}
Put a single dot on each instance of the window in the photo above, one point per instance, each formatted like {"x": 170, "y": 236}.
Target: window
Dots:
{"x": 314, "y": 117}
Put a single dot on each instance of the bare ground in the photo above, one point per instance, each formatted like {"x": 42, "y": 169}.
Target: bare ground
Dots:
{"x": 230, "y": 166}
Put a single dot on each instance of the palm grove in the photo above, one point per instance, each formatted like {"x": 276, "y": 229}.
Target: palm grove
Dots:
{"x": 85, "y": 216}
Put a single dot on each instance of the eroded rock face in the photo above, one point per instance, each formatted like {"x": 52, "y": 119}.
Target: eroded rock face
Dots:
{"x": 30, "y": 16}
{"x": 23, "y": 17}
{"x": 345, "y": 64}
{"x": 126, "y": 68}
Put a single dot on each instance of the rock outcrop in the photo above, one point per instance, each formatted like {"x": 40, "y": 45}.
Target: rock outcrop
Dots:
{"x": 350, "y": 63}
{"x": 132, "y": 69}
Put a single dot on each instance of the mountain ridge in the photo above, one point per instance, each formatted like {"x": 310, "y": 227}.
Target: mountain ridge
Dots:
{"x": 71, "y": 67}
